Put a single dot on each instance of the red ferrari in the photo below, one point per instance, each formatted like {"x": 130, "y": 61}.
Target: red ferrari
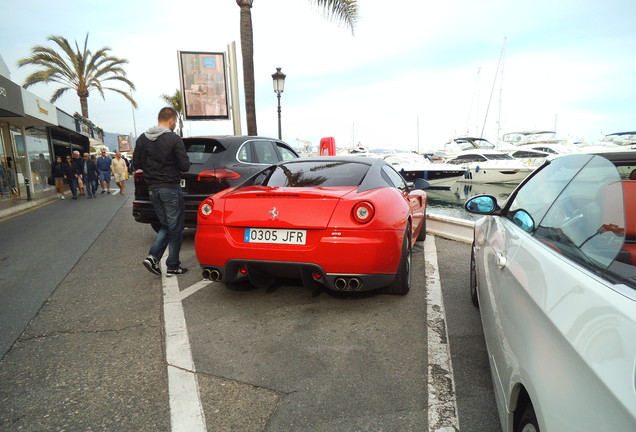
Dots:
{"x": 342, "y": 223}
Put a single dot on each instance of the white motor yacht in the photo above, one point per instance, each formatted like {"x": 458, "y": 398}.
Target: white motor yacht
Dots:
{"x": 413, "y": 166}
{"x": 456, "y": 146}
{"x": 490, "y": 166}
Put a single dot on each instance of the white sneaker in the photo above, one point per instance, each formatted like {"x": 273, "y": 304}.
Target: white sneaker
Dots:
{"x": 62, "y": 197}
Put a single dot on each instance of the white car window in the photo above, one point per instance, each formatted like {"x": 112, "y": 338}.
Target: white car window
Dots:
{"x": 542, "y": 189}
{"x": 577, "y": 208}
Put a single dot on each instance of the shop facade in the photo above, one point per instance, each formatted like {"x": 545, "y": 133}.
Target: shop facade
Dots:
{"x": 32, "y": 132}
{"x": 11, "y": 113}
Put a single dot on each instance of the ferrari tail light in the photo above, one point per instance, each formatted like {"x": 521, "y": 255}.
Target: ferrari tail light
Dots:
{"x": 206, "y": 207}
{"x": 217, "y": 174}
{"x": 243, "y": 270}
{"x": 363, "y": 212}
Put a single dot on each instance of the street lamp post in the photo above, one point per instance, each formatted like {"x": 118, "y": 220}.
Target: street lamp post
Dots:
{"x": 279, "y": 86}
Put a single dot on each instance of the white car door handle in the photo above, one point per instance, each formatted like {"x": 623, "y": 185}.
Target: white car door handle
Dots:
{"x": 501, "y": 260}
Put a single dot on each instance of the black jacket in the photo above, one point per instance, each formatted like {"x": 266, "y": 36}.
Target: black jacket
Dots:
{"x": 91, "y": 166}
{"x": 162, "y": 159}
{"x": 57, "y": 170}
{"x": 70, "y": 170}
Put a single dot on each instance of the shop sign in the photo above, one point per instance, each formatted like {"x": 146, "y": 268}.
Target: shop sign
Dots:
{"x": 65, "y": 120}
{"x": 10, "y": 99}
{"x": 39, "y": 108}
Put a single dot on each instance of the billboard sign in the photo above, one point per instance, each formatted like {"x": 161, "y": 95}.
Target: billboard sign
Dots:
{"x": 123, "y": 142}
{"x": 203, "y": 85}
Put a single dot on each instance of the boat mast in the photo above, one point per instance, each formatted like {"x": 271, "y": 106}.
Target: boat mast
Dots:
{"x": 503, "y": 53}
{"x": 492, "y": 90}
{"x": 418, "y": 134}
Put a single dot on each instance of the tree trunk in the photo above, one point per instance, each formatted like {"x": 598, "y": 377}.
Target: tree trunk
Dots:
{"x": 84, "y": 105}
{"x": 247, "y": 51}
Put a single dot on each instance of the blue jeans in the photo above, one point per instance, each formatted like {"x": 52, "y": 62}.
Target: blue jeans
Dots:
{"x": 91, "y": 187}
{"x": 170, "y": 209}
{"x": 72, "y": 182}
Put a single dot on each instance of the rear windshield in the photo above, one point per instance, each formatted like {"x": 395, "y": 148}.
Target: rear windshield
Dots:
{"x": 314, "y": 174}
{"x": 200, "y": 150}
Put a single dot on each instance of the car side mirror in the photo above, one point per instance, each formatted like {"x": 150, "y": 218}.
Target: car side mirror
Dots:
{"x": 482, "y": 204}
{"x": 523, "y": 219}
{"x": 420, "y": 183}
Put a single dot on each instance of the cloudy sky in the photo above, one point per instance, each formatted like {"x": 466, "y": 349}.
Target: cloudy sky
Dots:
{"x": 414, "y": 75}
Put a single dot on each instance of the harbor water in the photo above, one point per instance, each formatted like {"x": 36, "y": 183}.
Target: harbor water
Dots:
{"x": 450, "y": 202}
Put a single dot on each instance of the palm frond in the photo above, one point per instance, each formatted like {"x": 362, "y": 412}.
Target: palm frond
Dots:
{"x": 76, "y": 68}
{"x": 341, "y": 11}
{"x": 124, "y": 94}
{"x": 58, "y": 93}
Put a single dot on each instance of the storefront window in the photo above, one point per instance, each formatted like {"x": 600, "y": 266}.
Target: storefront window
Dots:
{"x": 18, "y": 164}
{"x": 39, "y": 158}
{"x": 5, "y": 184}
{"x": 33, "y": 157}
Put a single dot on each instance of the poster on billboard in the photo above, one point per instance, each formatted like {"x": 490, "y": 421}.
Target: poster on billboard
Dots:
{"x": 203, "y": 85}
{"x": 124, "y": 143}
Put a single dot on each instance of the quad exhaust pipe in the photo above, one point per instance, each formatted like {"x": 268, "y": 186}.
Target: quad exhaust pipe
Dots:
{"x": 211, "y": 274}
{"x": 348, "y": 284}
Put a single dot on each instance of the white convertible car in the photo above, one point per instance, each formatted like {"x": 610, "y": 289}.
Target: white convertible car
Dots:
{"x": 553, "y": 272}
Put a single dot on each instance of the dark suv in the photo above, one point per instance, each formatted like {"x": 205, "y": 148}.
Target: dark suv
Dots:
{"x": 217, "y": 163}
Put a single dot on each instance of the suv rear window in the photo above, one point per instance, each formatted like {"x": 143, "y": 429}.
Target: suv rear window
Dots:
{"x": 200, "y": 150}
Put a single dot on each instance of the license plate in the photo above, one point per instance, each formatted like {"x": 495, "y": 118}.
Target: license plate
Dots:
{"x": 183, "y": 183}
{"x": 276, "y": 236}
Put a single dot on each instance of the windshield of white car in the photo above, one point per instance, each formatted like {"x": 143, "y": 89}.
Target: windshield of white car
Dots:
{"x": 582, "y": 208}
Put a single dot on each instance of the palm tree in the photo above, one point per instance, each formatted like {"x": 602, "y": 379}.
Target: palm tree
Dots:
{"x": 343, "y": 11}
{"x": 77, "y": 70}
{"x": 175, "y": 102}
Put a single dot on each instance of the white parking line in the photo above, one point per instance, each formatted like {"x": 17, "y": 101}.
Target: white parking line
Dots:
{"x": 186, "y": 411}
{"x": 194, "y": 288}
{"x": 442, "y": 404}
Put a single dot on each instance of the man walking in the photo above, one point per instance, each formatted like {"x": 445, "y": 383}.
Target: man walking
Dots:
{"x": 103, "y": 165}
{"x": 162, "y": 156}
{"x": 75, "y": 173}
{"x": 89, "y": 174}
{"x": 120, "y": 169}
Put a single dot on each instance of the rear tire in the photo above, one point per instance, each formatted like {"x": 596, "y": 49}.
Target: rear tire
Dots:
{"x": 402, "y": 283}
{"x": 422, "y": 235}
{"x": 473, "y": 277}
{"x": 528, "y": 421}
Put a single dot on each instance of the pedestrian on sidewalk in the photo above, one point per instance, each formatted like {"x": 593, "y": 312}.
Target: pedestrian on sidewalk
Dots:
{"x": 96, "y": 181}
{"x": 162, "y": 156}
{"x": 104, "y": 166}
{"x": 89, "y": 175}
{"x": 73, "y": 175}
{"x": 120, "y": 170}
{"x": 69, "y": 174}
{"x": 57, "y": 172}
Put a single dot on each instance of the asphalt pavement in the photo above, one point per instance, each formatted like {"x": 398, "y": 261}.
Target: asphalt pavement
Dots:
{"x": 39, "y": 248}
{"x": 84, "y": 338}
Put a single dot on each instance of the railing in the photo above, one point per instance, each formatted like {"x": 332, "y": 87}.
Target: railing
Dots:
{"x": 450, "y": 227}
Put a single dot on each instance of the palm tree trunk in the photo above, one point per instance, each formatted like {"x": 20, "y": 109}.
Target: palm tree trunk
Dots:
{"x": 247, "y": 51}
{"x": 84, "y": 105}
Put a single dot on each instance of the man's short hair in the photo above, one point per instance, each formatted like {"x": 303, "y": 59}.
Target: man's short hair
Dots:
{"x": 76, "y": 152}
{"x": 166, "y": 114}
